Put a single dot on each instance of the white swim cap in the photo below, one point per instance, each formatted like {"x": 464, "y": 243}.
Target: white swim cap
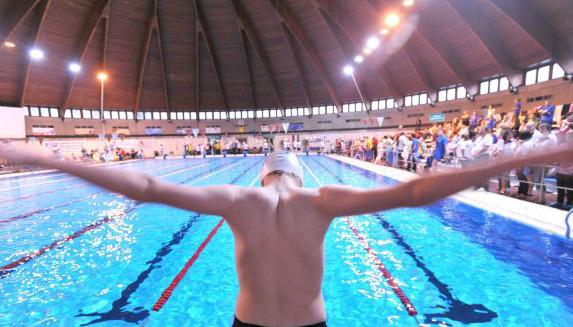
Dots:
{"x": 282, "y": 161}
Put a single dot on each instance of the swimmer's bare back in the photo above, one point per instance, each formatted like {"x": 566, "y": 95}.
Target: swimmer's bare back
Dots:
{"x": 279, "y": 229}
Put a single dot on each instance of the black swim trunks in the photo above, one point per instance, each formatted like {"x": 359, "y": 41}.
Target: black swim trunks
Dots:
{"x": 238, "y": 323}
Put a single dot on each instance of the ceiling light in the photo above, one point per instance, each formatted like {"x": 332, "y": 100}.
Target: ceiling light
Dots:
{"x": 36, "y": 54}
{"x": 373, "y": 43}
{"x": 358, "y": 59}
{"x": 348, "y": 70}
{"x": 408, "y": 3}
{"x": 392, "y": 20}
{"x": 75, "y": 68}
{"x": 384, "y": 31}
{"x": 367, "y": 51}
{"x": 9, "y": 44}
{"x": 102, "y": 76}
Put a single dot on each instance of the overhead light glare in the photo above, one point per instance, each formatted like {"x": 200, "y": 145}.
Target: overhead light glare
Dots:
{"x": 36, "y": 54}
{"x": 75, "y": 68}
{"x": 373, "y": 43}
{"x": 392, "y": 20}
{"x": 367, "y": 51}
{"x": 348, "y": 70}
{"x": 8, "y": 44}
{"x": 102, "y": 76}
{"x": 408, "y": 3}
{"x": 384, "y": 31}
{"x": 358, "y": 59}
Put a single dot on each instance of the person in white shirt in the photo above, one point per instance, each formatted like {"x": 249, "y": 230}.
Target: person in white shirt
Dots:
{"x": 503, "y": 149}
{"x": 482, "y": 144}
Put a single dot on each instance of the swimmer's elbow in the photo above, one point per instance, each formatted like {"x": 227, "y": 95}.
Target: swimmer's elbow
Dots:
{"x": 149, "y": 190}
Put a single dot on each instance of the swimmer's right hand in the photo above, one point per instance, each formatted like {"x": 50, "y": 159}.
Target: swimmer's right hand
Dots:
{"x": 23, "y": 154}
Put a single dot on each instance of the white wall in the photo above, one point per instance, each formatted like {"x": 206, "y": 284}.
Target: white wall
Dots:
{"x": 12, "y": 123}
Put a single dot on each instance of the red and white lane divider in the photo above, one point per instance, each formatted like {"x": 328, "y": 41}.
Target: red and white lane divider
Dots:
{"x": 6, "y": 268}
{"x": 382, "y": 268}
{"x": 179, "y": 277}
{"x": 408, "y": 305}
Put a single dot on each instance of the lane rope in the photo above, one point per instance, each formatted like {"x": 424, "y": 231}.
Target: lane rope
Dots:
{"x": 164, "y": 297}
{"x": 408, "y": 305}
{"x": 63, "y": 204}
{"x": 169, "y": 290}
{"x": 8, "y": 269}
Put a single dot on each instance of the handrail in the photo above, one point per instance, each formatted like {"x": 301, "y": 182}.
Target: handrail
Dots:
{"x": 568, "y": 231}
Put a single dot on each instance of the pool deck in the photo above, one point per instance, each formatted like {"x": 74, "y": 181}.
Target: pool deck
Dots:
{"x": 541, "y": 217}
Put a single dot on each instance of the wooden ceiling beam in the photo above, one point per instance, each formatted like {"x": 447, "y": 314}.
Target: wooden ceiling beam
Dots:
{"x": 247, "y": 27}
{"x": 286, "y": 18}
{"x": 344, "y": 43}
{"x": 161, "y": 57}
{"x": 16, "y": 13}
{"x": 297, "y": 65}
{"x": 451, "y": 62}
{"x": 538, "y": 29}
{"x": 101, "y": 10}
{"x": 211, "y": 52}
{"x": 197, "y": 68}
{"x": 488, "y": 38}
{"x": 42, "y": 10}
{"x": 330, "y": 13}
{"x": 244, "y": 48}
{"x": 151, "y": 27}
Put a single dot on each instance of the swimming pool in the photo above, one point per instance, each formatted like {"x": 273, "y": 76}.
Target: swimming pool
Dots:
{"x": 78, "y": 255}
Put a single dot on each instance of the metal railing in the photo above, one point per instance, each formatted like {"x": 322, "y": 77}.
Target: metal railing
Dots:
{"x": 567, "y": 226}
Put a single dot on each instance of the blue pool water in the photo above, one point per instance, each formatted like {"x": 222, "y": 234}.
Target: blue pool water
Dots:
{"x": 458, "y": 265}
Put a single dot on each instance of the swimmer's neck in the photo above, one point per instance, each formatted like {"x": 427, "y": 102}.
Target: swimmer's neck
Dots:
{"x": 280, "y": 182}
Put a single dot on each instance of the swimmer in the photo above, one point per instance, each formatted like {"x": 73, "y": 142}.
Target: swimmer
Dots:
{"x": 279, "y": 229}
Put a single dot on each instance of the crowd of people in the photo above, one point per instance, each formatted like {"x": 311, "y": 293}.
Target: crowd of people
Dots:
{"x": 226, "y": 147}
{"x": 110, "y": 154}
{"x": 477, "y": 138}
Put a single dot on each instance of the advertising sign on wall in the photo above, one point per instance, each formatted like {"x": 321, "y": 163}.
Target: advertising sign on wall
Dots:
{"x": 151, "y": 130}
{"x": 438, "y": 117}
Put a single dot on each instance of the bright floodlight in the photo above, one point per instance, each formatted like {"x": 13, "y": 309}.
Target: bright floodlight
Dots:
{"x": 75, "y": 68}
{"x": 8, "y": 44}
{"x": 408, "y": 3}
{"x": 348, "y": 70}
{"x": 384, "y": 31}
{"x": 358, "y": 59}
{"x": 102, "y": 76}
{"x": 367, "y": 51}
{"x": 392, "y": 20}
{"x": 373, "y": 43}
{"x": 36, "y": 54}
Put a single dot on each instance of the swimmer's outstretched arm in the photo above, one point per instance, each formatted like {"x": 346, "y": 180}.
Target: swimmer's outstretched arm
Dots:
{"x": 215, "y": 200}
{"x": 336, "y": 201}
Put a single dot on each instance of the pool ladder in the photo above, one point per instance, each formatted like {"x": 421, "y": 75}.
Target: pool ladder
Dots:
{"x": 568, "y": 231}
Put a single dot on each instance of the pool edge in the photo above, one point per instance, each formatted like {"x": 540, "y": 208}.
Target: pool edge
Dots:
{"x": 524, "y": 212}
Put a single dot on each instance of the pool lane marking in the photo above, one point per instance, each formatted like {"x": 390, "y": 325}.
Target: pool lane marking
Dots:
{"x": 81, "y": 183}
{"x": 43, "y": 183}
{"x": 118, "y": 309}
{"x": 408, "y": 305}
{"x": 179, "y": 277}
{"x": 382, "y": 268}
{"x": 456, "y": 309}
{"x": 181, "y": 274}
{"x": 7, "y": 269}
{"x": 63, "y": 204}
